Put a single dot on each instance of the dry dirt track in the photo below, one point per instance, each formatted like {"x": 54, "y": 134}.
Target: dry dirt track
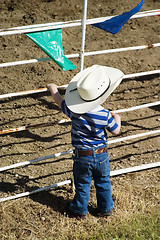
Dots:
{"x": 42, "y": 215}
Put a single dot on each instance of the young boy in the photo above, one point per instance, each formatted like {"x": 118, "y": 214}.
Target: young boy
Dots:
{"x": 84, "y": 94}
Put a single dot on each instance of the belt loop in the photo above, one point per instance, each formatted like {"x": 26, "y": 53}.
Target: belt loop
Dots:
{"x": 77, "y": 155}
{"x": 94, "y": 154}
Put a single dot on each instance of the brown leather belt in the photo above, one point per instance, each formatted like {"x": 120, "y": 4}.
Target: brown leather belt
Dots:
{"x": 83, "y": 153}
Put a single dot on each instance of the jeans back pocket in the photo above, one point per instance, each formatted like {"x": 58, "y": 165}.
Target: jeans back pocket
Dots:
{"x": 81, "y": 169}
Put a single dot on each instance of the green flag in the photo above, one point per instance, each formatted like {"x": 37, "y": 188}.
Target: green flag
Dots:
{"x": 51, "y": 43}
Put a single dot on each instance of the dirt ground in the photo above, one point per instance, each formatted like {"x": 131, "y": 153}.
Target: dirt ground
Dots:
{"x": 42, "y": 215}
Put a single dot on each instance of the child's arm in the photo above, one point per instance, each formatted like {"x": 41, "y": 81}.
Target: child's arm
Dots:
{"x": 55, "y": 94}
{"x": 117, "y": 119}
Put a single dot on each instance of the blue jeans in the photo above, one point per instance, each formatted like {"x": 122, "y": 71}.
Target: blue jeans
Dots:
{"x": 85, "y": 168}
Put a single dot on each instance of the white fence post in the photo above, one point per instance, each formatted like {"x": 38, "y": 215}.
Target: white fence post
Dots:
{"x": 83, "y": 35}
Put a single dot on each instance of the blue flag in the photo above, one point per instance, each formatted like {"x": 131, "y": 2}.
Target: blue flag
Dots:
{"x": 114, "y": 24}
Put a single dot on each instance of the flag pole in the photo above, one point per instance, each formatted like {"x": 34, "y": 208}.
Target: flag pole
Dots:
{"x": 83, "y": 35}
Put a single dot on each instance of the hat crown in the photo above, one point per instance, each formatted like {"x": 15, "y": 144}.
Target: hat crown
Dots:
{"x": 93, "y": 85}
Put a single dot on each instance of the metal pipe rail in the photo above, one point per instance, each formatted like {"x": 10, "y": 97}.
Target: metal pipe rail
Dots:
{"x": 76, "y": 23}
{"x": 9, "y": 64}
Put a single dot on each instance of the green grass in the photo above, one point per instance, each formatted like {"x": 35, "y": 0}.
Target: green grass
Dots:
{"x": 145, "y": 227}
{"x": 141, "y": 226}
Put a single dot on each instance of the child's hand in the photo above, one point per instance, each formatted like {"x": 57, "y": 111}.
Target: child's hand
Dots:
{"x": 52, "y": 87}
{"x": 117, "y": 119}
{"x": 113, "y": 114}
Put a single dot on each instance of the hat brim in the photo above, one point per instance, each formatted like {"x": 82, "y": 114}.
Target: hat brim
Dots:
{"x": 73, "y": 100}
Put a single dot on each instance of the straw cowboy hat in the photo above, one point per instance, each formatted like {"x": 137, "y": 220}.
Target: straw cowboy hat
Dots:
{"x": 90, "y": 88}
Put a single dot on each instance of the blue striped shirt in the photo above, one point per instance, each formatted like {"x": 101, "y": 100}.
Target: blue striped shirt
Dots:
{"x": 89, "y": 129}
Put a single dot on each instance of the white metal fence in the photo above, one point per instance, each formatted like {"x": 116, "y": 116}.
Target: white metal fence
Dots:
{"x": 82, "y": 54}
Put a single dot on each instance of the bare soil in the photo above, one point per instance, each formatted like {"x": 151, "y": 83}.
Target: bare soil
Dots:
{"x": 42, "y": 215}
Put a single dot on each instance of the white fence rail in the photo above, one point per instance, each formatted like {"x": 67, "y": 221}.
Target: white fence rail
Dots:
{"x": 76, "y": 23}
{"x": 76, "y": 55}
